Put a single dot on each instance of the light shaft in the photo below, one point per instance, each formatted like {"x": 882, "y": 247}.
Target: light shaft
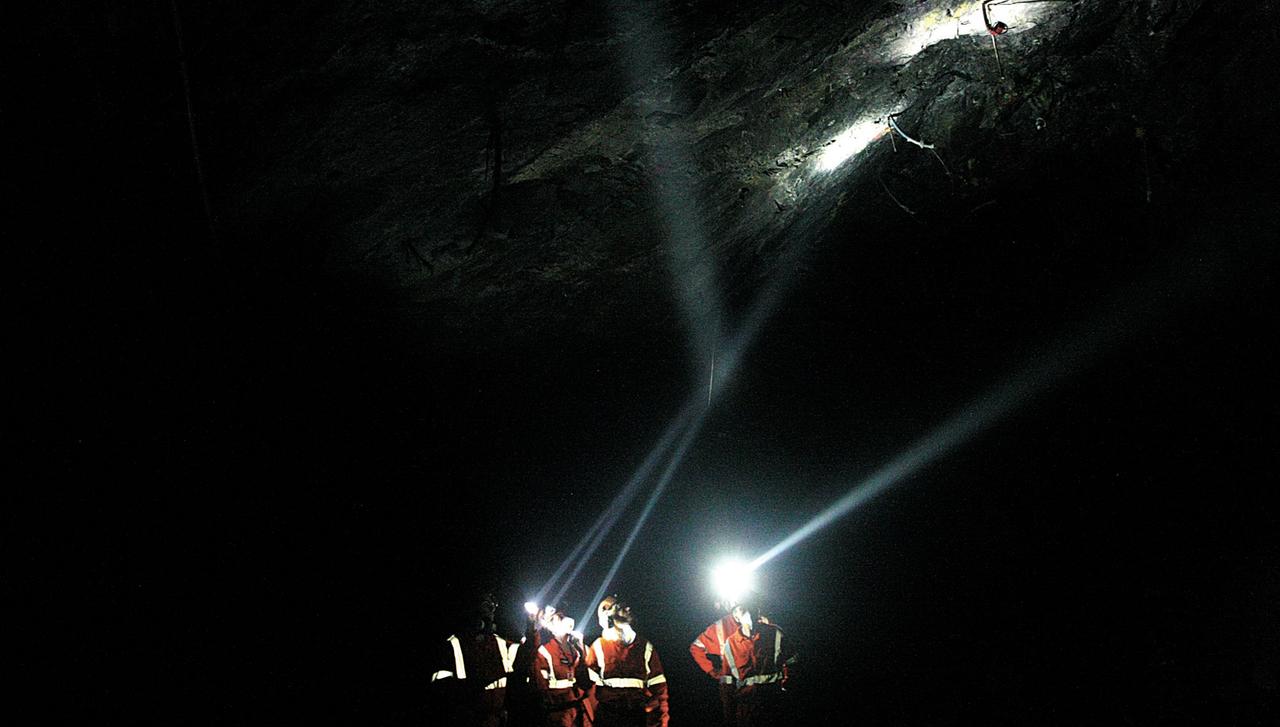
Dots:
{"x": 690, "y": 434}
{"x": 591, "y": 540}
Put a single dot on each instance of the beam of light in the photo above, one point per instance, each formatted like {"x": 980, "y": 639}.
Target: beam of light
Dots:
{"x": 850, "y": 142}
{"x": 690, "y": 434}
{"x": 596, "y": 540}
{"x": 693, "y": 269}
{"x": 602, "y": 533}
{"x": 591, "y": 539}
{"x": 956, "y": 430}
{"x": 728, "y": 355}
{"x": 693, "y": 416}
{"x": 646, "y": 56}
{"x": 1124, "y": 316}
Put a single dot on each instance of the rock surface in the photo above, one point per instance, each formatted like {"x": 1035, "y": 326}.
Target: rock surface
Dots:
{"x": 633, "y": 144}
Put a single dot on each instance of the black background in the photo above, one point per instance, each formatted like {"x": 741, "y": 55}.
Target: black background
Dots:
{"x": 252, "y": 498}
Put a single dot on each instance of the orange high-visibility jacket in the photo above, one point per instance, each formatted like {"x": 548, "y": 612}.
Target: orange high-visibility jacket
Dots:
{"x": 559, "y": 675}
{"x": 745, "y": 661}
{"x": 628, "y": 677}
{"x": 709, "y": 644}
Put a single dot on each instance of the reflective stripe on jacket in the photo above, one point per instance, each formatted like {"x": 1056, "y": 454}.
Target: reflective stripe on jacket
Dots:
{"x": 554, "y": 670}
{"x": 613, "y": 664}
{"x": 708, "y": 645}
{"x": 490, "y": 659}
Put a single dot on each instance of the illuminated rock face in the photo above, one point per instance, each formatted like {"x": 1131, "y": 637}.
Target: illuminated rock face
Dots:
{"x": 501, "y": 168}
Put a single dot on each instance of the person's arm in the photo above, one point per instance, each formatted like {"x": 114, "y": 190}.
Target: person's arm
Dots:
{"x": 659, "y": 713}
{"x": 520, "y": 694}
{"x": 442, "y": 665}
{"x": 594, "y": 678}
{"x": 447, "y": 695}
{"x": 705, "y": 649}
{"x": 526, "y": 651}
{"x": 580, "y": 666}
{"x": 788, "y": 659}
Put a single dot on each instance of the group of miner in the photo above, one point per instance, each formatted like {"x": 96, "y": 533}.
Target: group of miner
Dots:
{"x": 550, "y": 677}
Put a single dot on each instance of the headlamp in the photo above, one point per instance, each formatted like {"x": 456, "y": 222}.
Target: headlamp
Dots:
{"x": 732, "y": 579}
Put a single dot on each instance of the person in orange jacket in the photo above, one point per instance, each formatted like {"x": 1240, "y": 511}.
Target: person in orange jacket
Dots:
{"x": 469, "y": 683}
{"x": 751, "y": 660}
{"x": 630, "y": 686}
{"x": 558, "y": 672}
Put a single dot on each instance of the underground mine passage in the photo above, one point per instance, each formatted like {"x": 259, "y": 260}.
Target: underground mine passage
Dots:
{"x": 937, "y": 336}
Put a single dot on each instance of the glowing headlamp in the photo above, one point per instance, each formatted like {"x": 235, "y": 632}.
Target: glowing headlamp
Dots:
{"x": 732, "y": 579}
{"x": 530, "y": 608}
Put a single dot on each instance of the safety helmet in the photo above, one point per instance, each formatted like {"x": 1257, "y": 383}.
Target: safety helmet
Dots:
{"x": 483, "y": 616}
{"x": 622, "y": 614}
{"x": 613, "y": 610}
{"x": 558, "y": 623}
{"x": 749, "y": 602}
